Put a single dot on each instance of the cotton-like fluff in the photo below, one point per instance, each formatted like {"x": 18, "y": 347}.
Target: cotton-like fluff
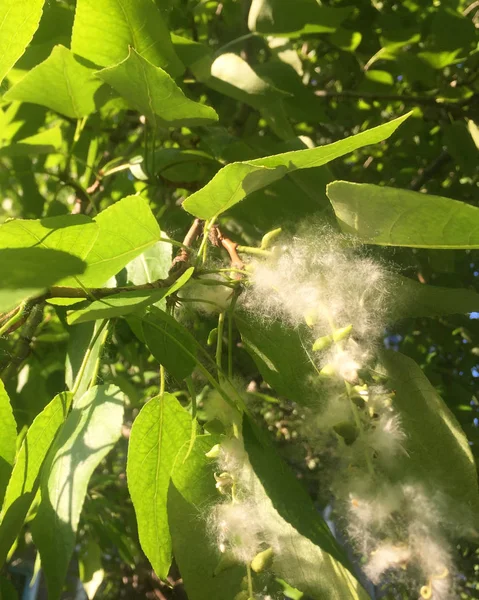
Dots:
{"x": 242, "y": 522}
{"x": 207, "y": 294}
{"x": 324, "y": 278}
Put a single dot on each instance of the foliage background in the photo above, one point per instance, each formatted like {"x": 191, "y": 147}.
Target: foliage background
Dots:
{"x": 321, "y": 71}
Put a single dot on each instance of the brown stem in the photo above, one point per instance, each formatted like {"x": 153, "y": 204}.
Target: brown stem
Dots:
{"x": 230, "y": 247}
{"x": 183, "y": 255}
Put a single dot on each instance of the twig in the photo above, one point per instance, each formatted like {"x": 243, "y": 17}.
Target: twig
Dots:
{"x": 428, "y": 172}
{"x": 470, "y": 8}
{"x": 231, "y": 248}
{"x": 418, "y": 100}
{"x": 22, "y": 349}
{"x": 183, "y": 255}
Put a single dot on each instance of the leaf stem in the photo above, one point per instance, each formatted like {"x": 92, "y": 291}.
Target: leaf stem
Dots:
{"x": 18, "y": 315}
{"x": 86, "y": 357}
{"x": 96, "y": 368}
{"x": 250, "y": 581}
{"x": 219, "y": 342}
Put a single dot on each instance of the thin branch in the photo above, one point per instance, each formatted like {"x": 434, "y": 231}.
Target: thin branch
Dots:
{"x": 428, "y": 172}
{"x": 23, "y": 347}
{"x": 417, "y": 100}
{"x": 183, "y": 255}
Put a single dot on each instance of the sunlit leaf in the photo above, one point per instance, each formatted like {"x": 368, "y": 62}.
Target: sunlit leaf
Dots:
{"x": 91, "y": 430}
{"x": 393, "y": 217}
{"x": 235, "y": 181}
{"x": 152, "y": 92}
{"x": 104, "y": 30}
{"x": 437, "y": 451}
{"x": 8, "y": 436}
{"x": 19, "y": 20}
{"x": 124, "y": 303}
{"x": 158, "y": 433}
{"x": 71, "y": 86}
{"x": 23, "y": 482}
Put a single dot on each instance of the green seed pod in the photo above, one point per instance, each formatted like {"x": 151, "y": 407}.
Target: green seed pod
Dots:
{"x": 327, "y": 372}
{"x": 214, "y": 452}
{"x": 322, "y": 343}
{"x": 263, "y": 560}
{"x": 269, "y": 237}
{"x": 347, "y": 431}
{"x": 213, "y": 334}
{"x": 310, "y": 318}
{"x": 326, "y": 340}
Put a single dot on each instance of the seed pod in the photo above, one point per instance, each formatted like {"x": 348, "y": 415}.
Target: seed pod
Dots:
{"x": 269, "y": 237}
{"x": 327, "y": 372}
{"x": 214, "y": 452}
{"x": 213, "y": 334}
{"x": 310, "y": 318}
{"x": 263, "y": 560}
{"x": 326, "y": 340}
{"x": 347, "y": 431}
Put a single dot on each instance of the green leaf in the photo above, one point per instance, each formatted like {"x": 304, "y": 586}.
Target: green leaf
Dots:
{"x": 438, "y": 453}
{"x": 191, "y": 492}
{"x": 124, "y": 303}
{"x": 46, "y": 142}
{"x": 414, "y": 299}
{"x": 22, "y": 486}
{"x": 280, "y": 357}
{"x": 126, "y": 229}
{"x": 90, "y": 568}
{"x": 151, "y": 265}
{"x": 461, "y": 146}
{"x": 158, "y": 433}
{"x": 305, "y": 16}
{"x": 104, "y": 30}
{"x": 171, "y": 344}
{"x": 311, "y": 559}
{"x": 152, "y": 92}
{"x": 89, "y": 433}
{"x": 233, "y": 76}
{"x": 235, "y": 181}
{"x": 71, "y": 86}
{"x": 74, "y": 234}
{"x": 19, "y": 20}
{"x": 7, "y": 590}
{"x": 26, "y": 272}
{"x": 79, "y": 340}
{"x": 393, "y": 217}
{"x": 8, "y": 437}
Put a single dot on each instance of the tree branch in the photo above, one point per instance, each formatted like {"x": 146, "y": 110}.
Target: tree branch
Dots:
{"x": 428, "y": 172}
{"x": 415, "y": 100}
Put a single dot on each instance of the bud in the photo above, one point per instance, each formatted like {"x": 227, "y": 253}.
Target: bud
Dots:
{"x": 214, "y": 452}
{"x": 339, "y": 334}
{"x": 213, "y": 334}
{"x": 327, "y": 372}
{"x": 263, "y": 560}
{"x": 269, "y": 237}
